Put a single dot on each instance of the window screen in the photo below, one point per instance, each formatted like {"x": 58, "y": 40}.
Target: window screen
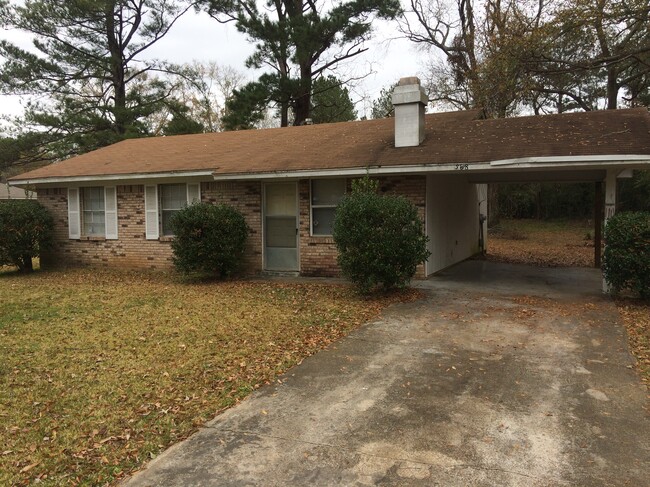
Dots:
{"x": 93, "y": 214}
{"x": 173, "y": 197}
{"x": 325, "y": 195}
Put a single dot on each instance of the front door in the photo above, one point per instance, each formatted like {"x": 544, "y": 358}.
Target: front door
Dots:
{"x": 281, "y": 227}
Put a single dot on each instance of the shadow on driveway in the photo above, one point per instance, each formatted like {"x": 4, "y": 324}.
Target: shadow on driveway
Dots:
{"x": 503, "y": 375}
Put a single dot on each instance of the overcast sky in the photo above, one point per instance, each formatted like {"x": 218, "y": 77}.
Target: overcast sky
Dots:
{"x": 198, "y": 37}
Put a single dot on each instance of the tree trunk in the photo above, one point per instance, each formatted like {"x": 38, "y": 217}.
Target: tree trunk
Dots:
{"x": 118, "y": 78}
{"x": 303, "y": 100}
{"x": 26, "y": 266}
{"x": 612, "y": 89}
{"x": 493, "y": 205}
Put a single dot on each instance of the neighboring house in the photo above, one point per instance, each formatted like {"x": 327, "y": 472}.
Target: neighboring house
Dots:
{"x": 112, "y": 206}
{"x": 12, "y": 193}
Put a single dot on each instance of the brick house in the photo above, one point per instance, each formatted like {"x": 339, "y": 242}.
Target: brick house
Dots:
{"x": 112, "y": 205}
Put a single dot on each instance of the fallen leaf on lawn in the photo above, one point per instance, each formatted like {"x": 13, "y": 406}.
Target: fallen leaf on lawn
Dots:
{"x": 28, "y": 467}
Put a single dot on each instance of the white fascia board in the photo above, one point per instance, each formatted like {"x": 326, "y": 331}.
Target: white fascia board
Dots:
{"x": 110, "y": 177}
{"x": 554, "y": 163}
{"x": 574, "y": 160}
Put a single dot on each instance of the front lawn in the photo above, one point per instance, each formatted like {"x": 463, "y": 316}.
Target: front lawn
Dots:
{"x": 100, "y": 371}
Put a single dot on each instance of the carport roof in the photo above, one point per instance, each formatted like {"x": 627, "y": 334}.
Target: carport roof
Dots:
{"x": 451, "y": 138}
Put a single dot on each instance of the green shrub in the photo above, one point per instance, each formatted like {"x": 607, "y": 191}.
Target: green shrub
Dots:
{"x": 380, "y": 239}
{"x": 26, "y": 228}
{"x": 626, "y": 261}
{"x": 209, "y": 239}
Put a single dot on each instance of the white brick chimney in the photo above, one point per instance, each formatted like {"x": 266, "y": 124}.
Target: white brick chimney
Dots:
{"x": 409, "y": 100}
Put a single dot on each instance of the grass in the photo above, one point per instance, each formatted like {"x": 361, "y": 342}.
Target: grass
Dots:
{"x": 100, "y": 371}
{"x": 565, "y": 243}
{"x": 555, "y": 243}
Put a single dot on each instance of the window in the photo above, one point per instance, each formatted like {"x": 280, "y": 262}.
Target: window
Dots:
{"x": 162, "y": 201}
{"x": 173, "y": 197}
{"x": 325, "y": 195}
{"x": 92, "y": 212}
{"x": 93, "y": 216}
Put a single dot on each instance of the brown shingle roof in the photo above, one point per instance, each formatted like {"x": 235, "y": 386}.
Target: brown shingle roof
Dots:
{"x": 454, "y": 137}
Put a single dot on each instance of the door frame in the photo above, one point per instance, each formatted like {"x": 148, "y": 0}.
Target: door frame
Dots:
{"x": 296, "y": 185}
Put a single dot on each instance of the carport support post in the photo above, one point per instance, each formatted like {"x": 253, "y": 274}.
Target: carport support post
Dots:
{"x": 610, "y": 205}
{"x": 598, "y": 222}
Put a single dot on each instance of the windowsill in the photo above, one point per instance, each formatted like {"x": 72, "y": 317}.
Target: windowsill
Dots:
{"x": 326, "y": 239}
{"x": 166, "y": 238}
{"x": 93, "y": 238}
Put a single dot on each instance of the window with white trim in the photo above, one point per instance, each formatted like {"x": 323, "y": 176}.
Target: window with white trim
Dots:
{"x": 162, "y": 201}
{"x": 326, "y": 194}
{"x": 92, "y": 212}
{"x": 173, "y": 197}
{"x": 93, "y": 216}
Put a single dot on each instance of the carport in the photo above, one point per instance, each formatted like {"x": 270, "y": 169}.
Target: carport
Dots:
{"x": 602, "y": 173}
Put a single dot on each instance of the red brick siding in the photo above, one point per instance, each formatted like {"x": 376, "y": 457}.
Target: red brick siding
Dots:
{"x": 130, "y": 250}
{"x": 318, "y": 254}
{"x": 133, "y": 250}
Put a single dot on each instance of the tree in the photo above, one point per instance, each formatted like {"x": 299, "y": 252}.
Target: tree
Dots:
{"x": 202, "y": 90}
{"x": 380, "y": 239}
{"x": 86, "y": 67}
{"x": 483, "y": 48}
{"x": 247, "y": 106}
{"x": 182, "y": 123}
{"x": 331, "y": 102}
{"x": 301, "y": 41}
{"x": 588, "y": 55}
{"x": 382, "y": 107}
{"x": 26, "y": 228}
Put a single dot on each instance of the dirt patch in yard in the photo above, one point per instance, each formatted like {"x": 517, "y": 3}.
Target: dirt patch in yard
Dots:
{"x": 100, "y": 370}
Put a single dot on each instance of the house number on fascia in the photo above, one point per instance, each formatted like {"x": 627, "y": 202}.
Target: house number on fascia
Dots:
{"x": 462, "y": 167}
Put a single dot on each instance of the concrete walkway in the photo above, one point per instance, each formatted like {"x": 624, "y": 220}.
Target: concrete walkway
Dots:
{"x": 502, "y": 376}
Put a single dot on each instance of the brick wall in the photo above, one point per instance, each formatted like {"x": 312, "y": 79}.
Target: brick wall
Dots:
{"x": 247, "y": 198}
{"x": 130, "y": 250}
{"x": 133, "y": 250}
{"x": 318, "y": 254}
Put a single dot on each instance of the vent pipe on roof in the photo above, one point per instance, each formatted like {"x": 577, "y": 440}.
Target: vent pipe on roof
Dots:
{"x": 409, "y": 100}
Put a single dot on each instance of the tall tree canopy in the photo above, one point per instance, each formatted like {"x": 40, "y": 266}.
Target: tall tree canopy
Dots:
{"x": 299, "y": 40}
{"x": 604, "y": 42}
{"x": 86, "y": 67}
{"x": 555, "y": 55}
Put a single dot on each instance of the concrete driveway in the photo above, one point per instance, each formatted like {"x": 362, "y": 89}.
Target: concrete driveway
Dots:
{"x": 503, "y": 375}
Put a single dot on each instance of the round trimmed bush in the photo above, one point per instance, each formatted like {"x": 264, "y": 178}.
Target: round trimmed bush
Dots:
{"x": 380, "y": 239}
{"x": 626, "y": 260}
{"x": 209, "y": 239}
{"x": 26, "y": 228}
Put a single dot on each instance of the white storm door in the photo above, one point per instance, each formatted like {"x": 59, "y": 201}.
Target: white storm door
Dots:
{"x": 281, "y": 226}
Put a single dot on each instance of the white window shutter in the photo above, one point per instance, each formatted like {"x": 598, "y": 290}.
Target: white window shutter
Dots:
{"x": 110, "y": 212}
{"x": 151, "y": 212}
{"x": 193, "y": 193}
{"x": 74, "y": 221}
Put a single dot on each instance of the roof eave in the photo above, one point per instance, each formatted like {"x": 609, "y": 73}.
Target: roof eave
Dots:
{"x": 108, "y": 178}
{"x": 527, "y": 163}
